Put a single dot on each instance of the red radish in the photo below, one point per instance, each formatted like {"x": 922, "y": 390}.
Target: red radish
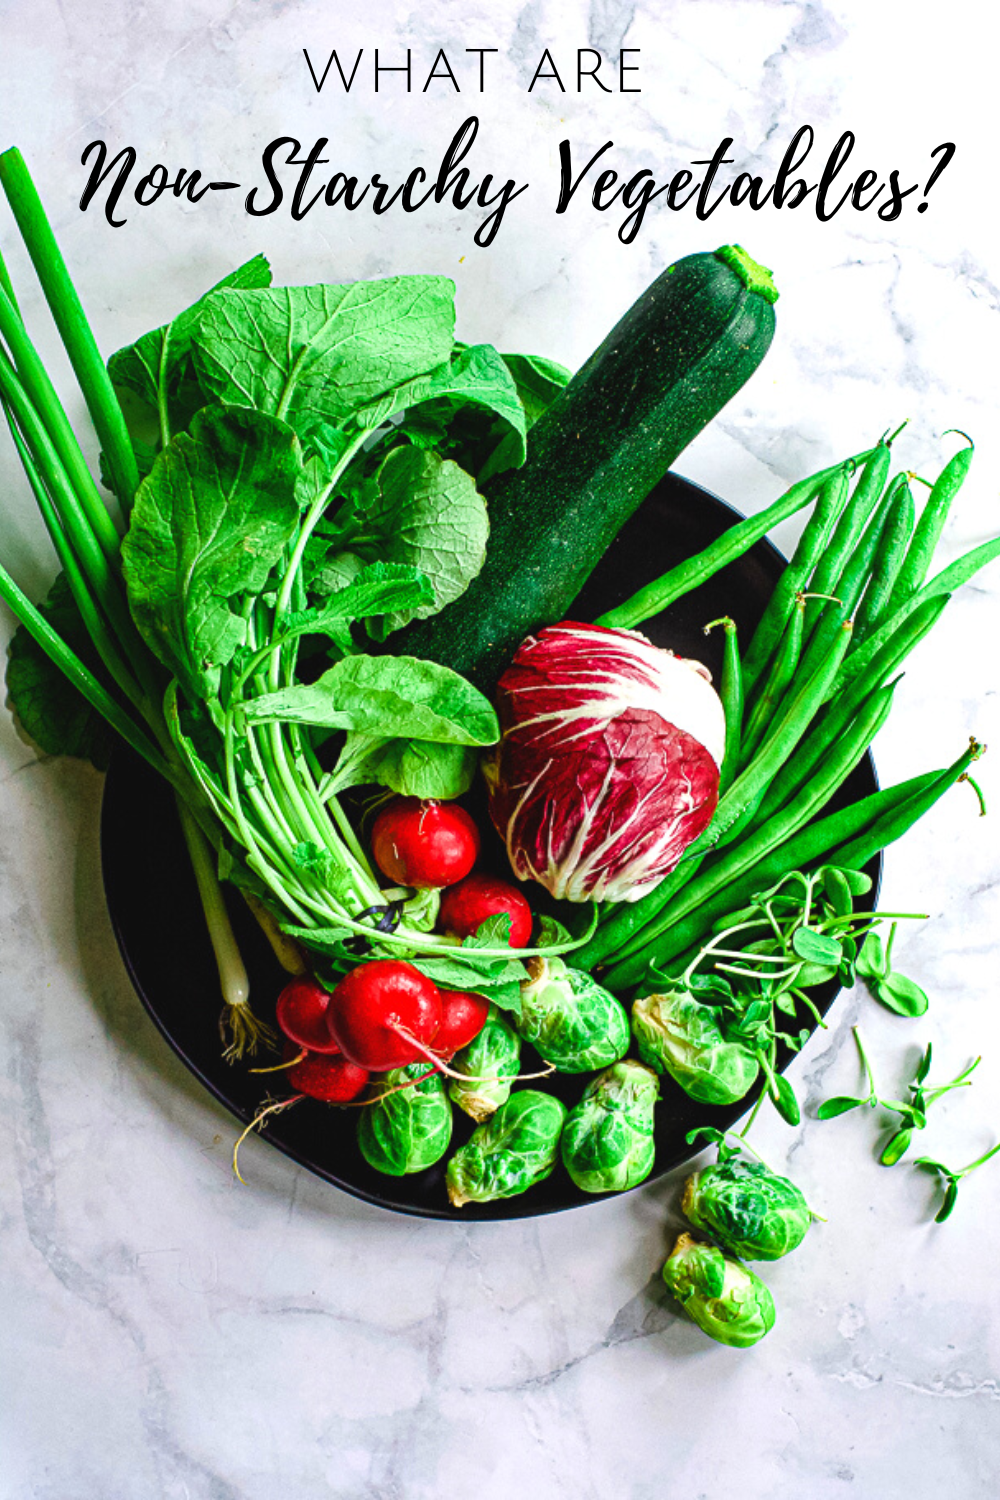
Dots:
{"x": 301, "y": 1014}
{"x": 384, "y": 1014}
{"x": 424, "y": 844}
{"x": 463, "y": 1018}
{"x": 335, "y": 1080}
{"x": 466, "y": 906}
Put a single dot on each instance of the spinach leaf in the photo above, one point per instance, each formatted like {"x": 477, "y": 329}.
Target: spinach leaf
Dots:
{"x": 371, "y": 591}
{"x": 537, "y": 382}
{"x": 392, "y": 696}
{"x": 49, "y": 708}
{"x": 497, "y": 979}
{"x": 314, "y": 355}
{"x": 414, "y": 768}
{"x": 425, "y": 511}
{"x": 475, "y": 376}
{"x": 209, "y": 523}
{"x": 156, "y": 365}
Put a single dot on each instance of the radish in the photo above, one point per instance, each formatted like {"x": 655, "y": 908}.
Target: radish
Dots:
{"x": 334, "y": 1080}
{"x": 385, "y": 1014}
{"x": 466, "y": 906}
{"x": 301, "y": 1013}
{"x": 426, "y": 845}
{"x": 463, "y": 1018}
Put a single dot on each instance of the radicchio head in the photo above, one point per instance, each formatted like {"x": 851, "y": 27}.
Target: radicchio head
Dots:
{"x": 608, "y": 765}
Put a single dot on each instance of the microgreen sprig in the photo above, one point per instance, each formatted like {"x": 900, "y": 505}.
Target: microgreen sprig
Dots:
{"x": 912, "y": 1112}
{"x": 952, "y": 1178}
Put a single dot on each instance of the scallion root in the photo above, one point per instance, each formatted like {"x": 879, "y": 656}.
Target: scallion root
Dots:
{"x": 246, "y": 1032}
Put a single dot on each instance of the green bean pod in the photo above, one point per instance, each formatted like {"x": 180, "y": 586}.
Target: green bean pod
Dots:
{"x": 629, "y": 917}
{"x": 835, "y": 718}
{"x": 664, "y": 591}
{"x": 891, "y": 811}
{"x": 888, "y": 561}
{"x": 930, "y": 526}
{"x": 832, "y": 560}
{"x": 771, "y": 628}
{"x": 853, "y": 578}
{"x": 856, "y": 852}
{"x": 736, "y": 830}
{"x": 776, "y": 682}
{"x": 731, "y": 695}
{"x": 750, "y": 851}
{"x": 779, "y": 744}
{"x": 945, "y": 582}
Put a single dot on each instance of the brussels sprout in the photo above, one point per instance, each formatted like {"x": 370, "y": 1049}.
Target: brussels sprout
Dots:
{"x": 748, "y": 1208}
{"x": 607, "y": 1141}
{"x": 677, "y": 1034}
{"x": 491, "y": 1060}
{"x": 724, "y": 1297}
{"x": 569, "y": 1019}
{"x": 514, "y": 1149}
{"x": 410, "y": 1129}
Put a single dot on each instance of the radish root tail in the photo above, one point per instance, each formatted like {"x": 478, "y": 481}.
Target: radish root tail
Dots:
{"x": 256, "y": 1123}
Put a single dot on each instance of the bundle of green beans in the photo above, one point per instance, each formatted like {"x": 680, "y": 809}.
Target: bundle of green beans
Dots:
{"x": 812, "y": 690}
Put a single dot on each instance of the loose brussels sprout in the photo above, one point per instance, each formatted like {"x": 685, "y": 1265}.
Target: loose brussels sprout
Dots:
{"x": 514, "y": 1149}
{"x": 679, "y": 1035}
{"x": 725, "y": 1298}
{"x": 607, "y": 1141}
{"x": 747, "y": 1208}
{"x": 491, "y": 1059}
{"x": 569, "y": 1019}
{"x": 410, "y": 1129}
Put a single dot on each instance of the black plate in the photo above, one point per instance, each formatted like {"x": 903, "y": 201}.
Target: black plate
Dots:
{"x": 160, "y": 930}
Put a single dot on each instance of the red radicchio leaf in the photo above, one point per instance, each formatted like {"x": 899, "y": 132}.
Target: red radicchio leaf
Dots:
{"x": 608, "y": 766}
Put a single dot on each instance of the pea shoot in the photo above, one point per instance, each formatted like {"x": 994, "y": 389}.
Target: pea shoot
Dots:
{"x": 952, "y": 1179}
{"x": 912, "y": 1112}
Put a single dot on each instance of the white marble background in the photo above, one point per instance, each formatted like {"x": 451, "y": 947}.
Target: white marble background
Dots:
{"x": 169, "y": 1333}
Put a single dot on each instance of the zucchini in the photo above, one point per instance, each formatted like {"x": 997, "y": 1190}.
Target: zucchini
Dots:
{"x": 679, "y": 354}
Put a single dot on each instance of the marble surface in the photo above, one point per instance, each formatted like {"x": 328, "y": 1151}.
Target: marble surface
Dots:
{"x": 169, "y": 1333}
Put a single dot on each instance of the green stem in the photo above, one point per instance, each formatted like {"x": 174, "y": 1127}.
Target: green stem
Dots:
{"x": 89, "y": 613}
{"x": 80, "y": 676}
{"x": 71, "y": 321}
{"x": 233, "y": 979}
{"x": 42, "y": 394}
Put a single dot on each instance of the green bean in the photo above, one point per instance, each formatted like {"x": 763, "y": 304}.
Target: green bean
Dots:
{"x": 721, "y": 873}
{"x": 888, "y": 561}
{"x": 835, "y": 718}
{"x": 773, "y": 622}
{"x": 852, "y": 580}
{"x": 628, "y": 917}
{"x": 823, "y": 842}
{"x": 893, "y": 824}
{"x": 945, "y": 582}
{"x": 736, "y": 830}
{"x": 777, "y": 680}
{"x": 826, "y": 575}
{"x": 688, "y": 575}
{"x": 930, "y": 526}
{"x": 789, "y": 729}
{"x": 731, "y": 694}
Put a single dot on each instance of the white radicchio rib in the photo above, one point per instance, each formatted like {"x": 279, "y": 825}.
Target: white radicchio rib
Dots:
{"x": 608, "y": 766}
